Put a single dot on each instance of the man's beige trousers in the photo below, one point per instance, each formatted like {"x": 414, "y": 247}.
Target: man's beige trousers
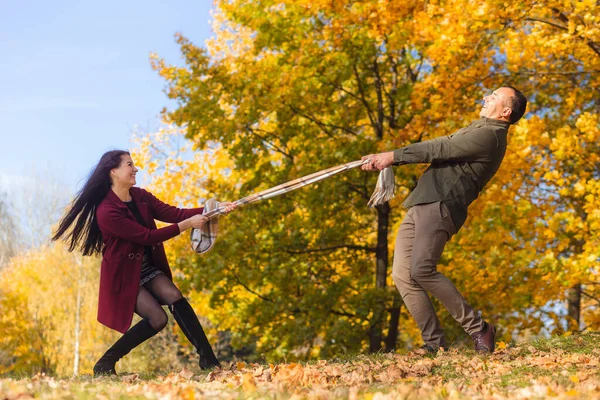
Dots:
{"x": 419, "y": 245}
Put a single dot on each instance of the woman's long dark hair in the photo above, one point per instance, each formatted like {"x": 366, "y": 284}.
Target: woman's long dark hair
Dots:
{"x": 86, "y": 234}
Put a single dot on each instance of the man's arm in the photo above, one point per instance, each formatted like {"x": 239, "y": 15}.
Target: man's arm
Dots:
{"x": 476, "y": 145}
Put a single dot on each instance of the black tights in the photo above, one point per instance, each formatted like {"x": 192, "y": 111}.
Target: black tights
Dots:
{"x": 159, "y": 291}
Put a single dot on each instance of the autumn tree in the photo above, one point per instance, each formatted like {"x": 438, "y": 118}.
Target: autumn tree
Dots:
{"x": 288, "y": 88}
{"x": 560, "y": 62}
{"x": 532, "y": 234}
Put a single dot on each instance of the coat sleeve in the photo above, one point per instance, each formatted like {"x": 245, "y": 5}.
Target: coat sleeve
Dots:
{"x": 117, "y": 223}
{"x": 167, "y": 213}
{"x": 476, "y": 145}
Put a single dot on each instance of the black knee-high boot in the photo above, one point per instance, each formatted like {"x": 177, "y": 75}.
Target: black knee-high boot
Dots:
{"x": 135, "y": 336}
{"x": 188, "y": 322}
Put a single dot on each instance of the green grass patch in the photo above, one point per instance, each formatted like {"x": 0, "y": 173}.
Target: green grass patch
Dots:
{"x": 581, "y": 344}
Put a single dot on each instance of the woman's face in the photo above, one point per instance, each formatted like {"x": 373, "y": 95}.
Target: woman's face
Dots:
{"x": 124, "y": 175}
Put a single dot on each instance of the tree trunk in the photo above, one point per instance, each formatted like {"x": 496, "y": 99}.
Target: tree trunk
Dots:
{"x": 574, "y": 307}
{"x": 381, "y": 254}
{"x": 392, "y": 336}
{"x": 77, "y": 332}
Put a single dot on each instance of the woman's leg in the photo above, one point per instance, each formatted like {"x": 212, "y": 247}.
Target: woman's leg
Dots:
{"x": 149, "y": 307}
{"x": 163, "y": 289}
{"x": 167, "y": 293}
{"x": 154, "y": 320}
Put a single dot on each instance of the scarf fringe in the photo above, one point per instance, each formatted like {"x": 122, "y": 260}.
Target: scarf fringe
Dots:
{"x": 385, "y": 188}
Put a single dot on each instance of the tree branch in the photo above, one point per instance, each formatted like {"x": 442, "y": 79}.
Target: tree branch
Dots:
{"x": 378, "y": 89}
{"x": 331, "y": 248}
{"x": 547, "y": 22}
{"x": 565, "y": 73}
{"x": 590, "y": 296}
{"x": 322, "y": 124}
{"x": 363, "y": 97}
{"x": 268, "y": 143}
{"x": 238, "y": 280}
{"x": 393, "y": 92}
{"x": 592, "y": 45}
{"x": 361, "y": 190}
{"x": 343, "y": 313}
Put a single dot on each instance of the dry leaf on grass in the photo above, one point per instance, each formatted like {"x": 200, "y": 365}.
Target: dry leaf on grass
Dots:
{"x": 129, "y": 378}
{"x": 186, "y": 374}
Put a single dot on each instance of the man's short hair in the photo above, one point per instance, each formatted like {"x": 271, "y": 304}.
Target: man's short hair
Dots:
{"x": 517, "y": 103}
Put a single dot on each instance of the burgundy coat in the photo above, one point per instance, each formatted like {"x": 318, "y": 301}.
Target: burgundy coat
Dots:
{"x": 124, "y": 240}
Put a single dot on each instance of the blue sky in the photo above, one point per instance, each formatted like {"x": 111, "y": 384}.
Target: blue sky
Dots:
{"x": 75, "y": 80}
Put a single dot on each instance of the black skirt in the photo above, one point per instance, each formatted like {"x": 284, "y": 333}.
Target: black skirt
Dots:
{"x": 149, "y": 271}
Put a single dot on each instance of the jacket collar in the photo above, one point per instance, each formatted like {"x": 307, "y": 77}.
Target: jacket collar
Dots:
{"x": 484, "y": 121}
{"x": 113, "y": 198}
{"x": 136, "y": 196}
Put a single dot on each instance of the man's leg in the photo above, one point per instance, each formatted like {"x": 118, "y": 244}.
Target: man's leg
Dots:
{"x": 433, "y": 228}
{"x": 414, "y": 296}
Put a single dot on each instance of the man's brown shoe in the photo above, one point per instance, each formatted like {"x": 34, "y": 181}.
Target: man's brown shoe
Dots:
{"x": 485, "y": 341}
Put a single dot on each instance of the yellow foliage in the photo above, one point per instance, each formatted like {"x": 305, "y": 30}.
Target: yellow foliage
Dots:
{"x": 290, "y": 87}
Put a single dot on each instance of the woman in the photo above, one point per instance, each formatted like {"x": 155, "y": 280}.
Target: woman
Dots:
{"x": 113, "y": 217}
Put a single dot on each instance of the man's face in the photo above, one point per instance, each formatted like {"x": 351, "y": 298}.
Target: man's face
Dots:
{"x": 496, "y": 105}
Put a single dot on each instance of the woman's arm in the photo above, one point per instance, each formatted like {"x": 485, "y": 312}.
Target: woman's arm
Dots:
{"x": 117, "y": 223}
{"x": 168, "y": 213}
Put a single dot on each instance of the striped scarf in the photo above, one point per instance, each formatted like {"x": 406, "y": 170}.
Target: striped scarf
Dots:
{"x": 204, "y": 239}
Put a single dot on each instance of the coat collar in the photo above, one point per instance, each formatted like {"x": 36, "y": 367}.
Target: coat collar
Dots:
{"x": 136, "y": 196}
{"x": 112, "y": 197}
{"x": 484, "y": 121}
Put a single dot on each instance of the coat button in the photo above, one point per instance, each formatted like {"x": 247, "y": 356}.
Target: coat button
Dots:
{"x": 131, "y": 256}
{"x": 138, "y": 256}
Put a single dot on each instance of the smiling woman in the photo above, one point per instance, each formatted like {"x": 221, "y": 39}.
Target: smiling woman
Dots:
{"x": 116, "y": 219}
{"x": 126, "y": 172}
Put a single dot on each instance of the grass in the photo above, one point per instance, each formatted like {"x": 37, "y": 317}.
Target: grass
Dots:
{"x": 579, "y": 344}
{"x": 558, "y": 367}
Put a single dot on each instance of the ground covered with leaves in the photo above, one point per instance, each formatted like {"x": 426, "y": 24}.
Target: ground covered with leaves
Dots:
{"x": 565, "y": 367}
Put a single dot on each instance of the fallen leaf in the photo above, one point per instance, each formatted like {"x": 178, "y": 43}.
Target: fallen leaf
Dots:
{"x": 129, "y": 378}
{"x": 259, "y": 371}
{"x": 248, "y": 382}
{"x": 186, "y": 374}
{"x": 211, "y": 376}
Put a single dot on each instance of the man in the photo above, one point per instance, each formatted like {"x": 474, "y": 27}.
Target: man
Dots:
{"x": 461, "y": 165}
